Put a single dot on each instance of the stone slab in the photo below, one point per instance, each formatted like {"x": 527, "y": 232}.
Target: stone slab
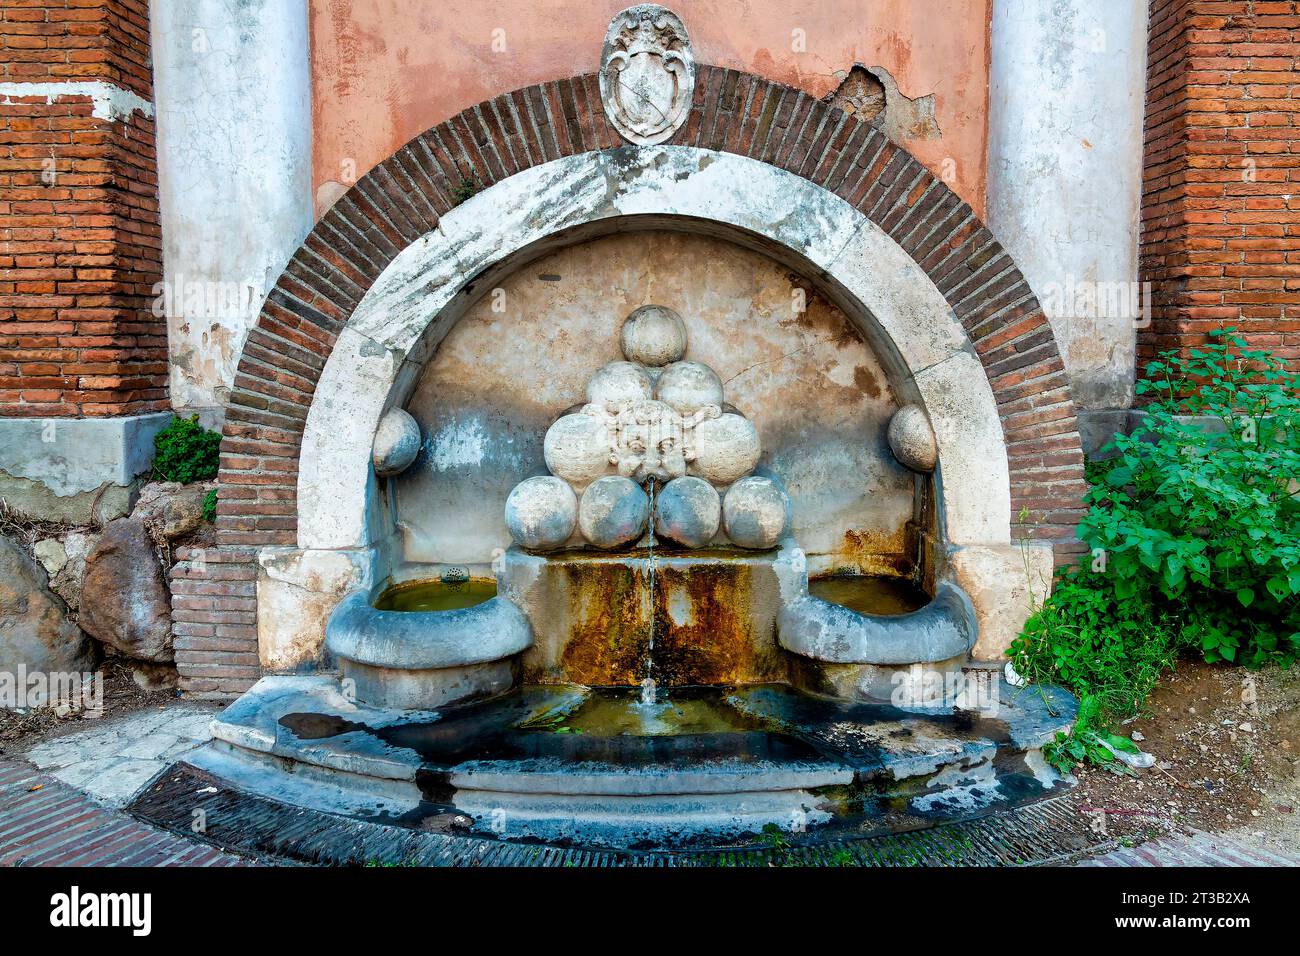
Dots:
{"x": 71, "y": 456}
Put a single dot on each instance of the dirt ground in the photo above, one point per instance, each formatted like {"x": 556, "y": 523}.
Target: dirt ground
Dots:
{"x": 19, "y": 729}
{"x": 1223, "y": 760}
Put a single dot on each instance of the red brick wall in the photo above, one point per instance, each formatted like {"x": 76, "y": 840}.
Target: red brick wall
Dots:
{"x": 402, "y": 198}
{"x": 80, "y": 242}
{"x": 1221, "y": 198}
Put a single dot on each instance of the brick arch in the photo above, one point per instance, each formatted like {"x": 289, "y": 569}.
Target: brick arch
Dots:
{"x": 403, "y": 198}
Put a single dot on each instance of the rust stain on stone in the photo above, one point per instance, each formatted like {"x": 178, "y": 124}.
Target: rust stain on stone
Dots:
{"x": 707, "y": 640}
{"x": 875, "y": 552}
{"x": 865, "y": 381}
{"x": 702, "y": 626}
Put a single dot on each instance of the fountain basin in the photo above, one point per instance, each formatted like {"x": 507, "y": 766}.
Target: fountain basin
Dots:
{"x": 854, "y": 655}
{"x": 417, "y": 660}
{"x": 589, "y": 766}
{"x": 436, "y": 595}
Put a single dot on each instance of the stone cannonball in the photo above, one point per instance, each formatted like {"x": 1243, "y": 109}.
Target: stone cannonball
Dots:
{"x": 689, "y": 386}
{"x": 756, "y": 513}
{"x": 912, "y": 439}
{"x": 397, "y": 442}
{"x": 577, "y": 449}
{"x": 619, "y": 382}
{"x": 653, "y": 335}
{"x": 726, "y": 448}
{"x": 687, "y": 512}
{"x": 613, "y": 512}
{"x": 541, "y": 513}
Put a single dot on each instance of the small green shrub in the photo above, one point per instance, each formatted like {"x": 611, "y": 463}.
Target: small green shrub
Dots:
{"x": 185, "y": 451}
{"x": 1087, "y": 742}
{"x": 1095, "y": 644}
{"x": 464, "y": 190}
{"x": 1206, "y": 521}
{"x": 210, "y": 506}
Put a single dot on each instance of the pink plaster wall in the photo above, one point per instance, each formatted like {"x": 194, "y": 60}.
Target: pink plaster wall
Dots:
{"x": 385, "y": 70}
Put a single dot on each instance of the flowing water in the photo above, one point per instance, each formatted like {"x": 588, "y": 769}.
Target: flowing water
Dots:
{"x": 648, "y": 683}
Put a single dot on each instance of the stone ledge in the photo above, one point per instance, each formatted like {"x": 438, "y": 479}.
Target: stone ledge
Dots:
{"x": 56, "y": 467}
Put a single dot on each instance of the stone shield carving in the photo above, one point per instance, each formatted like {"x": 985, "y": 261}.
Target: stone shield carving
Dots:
{"x": 647, "y": 73}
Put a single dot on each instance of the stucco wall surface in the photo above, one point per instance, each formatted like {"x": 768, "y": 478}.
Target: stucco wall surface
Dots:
{"x": 384, "y": 71}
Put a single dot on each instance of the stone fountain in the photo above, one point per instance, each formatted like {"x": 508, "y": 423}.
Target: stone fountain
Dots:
{"x": 649, "y": 660}
{"x": 658, "y": 495}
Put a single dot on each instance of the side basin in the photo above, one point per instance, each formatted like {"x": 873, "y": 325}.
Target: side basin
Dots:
{"x": 943, "y": 629}
{"x": 420, "y": 660}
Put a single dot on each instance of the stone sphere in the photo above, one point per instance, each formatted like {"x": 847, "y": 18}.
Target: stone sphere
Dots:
{"x": 397, "y": 442}
{"x": 613, "y": 512}
{"x": 577, "y": 449}
{"x": 689, "y": 386}
{"x": 912, "y": 439}
{"x": 687, "y": 512}
{"x": 619, "y": 382}
{"x": 726, "y": 448}
{"x": 756, "y": 513}
{"x": 653, "y": 335}
{"x": 541, "y": 513}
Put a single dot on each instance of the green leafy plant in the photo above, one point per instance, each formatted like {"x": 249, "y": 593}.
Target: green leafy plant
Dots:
{"x": 773, "y": 837}
{"x": 463, "y": 190}
{"x": 1195, "y": 543}
{"x": 1095, "y": 644}
{"x": 1201, "y": 514}
{"x": 210, "y": 506}
{"x": 1089, "y": 742}
{"x": 185, "y": 451}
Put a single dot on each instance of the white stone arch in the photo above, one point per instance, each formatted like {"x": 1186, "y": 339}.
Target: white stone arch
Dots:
{"x": 426, "y": 288}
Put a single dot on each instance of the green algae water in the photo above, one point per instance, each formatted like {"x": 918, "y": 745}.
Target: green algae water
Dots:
{"x": 870, "y": 594}
{"x": 436, "y": 595}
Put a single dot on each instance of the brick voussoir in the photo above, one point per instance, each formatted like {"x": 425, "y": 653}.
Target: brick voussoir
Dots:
{"x": 449, "y": 161}
{"x": 731, "y": 138}
{"x": 308, "y": 313}
{"x": 845, "y": 159}
{"x": 924, "y": 193}
{"x": 503, "y": 141}
{"x": 710, "y": 83}
{"x": 367, "y": 202}
{"x": 731, "y": 101}
{"x": 530, "y": 106}
{"x": 419, "y": 167}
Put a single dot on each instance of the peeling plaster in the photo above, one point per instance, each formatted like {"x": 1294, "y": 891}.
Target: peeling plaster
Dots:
{"x": 872, "y": 93}
{"x": 109, "y": 102}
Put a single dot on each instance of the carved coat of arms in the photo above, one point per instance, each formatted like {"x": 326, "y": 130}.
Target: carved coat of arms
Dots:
{"x": 647, "y": 73}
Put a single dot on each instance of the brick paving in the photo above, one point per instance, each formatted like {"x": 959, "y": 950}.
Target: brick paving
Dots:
{"x": 44, "y": 822}
{"x": 1199, "y": 849}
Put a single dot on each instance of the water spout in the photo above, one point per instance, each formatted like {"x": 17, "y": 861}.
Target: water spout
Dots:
{"x": 649, "y": 682}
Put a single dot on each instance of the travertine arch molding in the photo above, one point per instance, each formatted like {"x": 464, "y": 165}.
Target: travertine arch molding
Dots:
{"x": 424, "y": 291}
{"x": 410, "y": 199}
